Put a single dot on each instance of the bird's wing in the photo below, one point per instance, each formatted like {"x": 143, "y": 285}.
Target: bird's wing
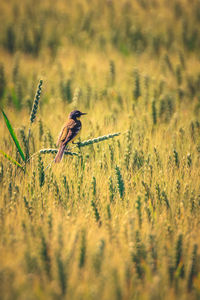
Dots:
{"x": 69, "y": 131}
{"x": 73, "y": 129}
{"x": 62, "y": 134}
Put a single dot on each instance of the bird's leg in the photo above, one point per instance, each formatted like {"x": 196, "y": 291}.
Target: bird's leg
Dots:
{"x": 75, "y": 143}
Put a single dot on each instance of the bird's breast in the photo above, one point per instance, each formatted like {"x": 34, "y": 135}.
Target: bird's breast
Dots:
{"x": 77, "y": 135}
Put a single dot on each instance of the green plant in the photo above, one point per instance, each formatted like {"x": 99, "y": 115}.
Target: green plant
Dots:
{"x": 41, "y": 171}
{"x": 82, "y": 256}
{"x": 36, "y": 102}
{"x": 154, "y": 112}
{"x": 120, "y": 182}
{"x": 96, "y": 212}
{"x": 2, "y": 81}
{"x": 137, "y": 89}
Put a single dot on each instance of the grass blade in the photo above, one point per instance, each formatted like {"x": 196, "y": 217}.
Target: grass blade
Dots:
{"x": 11, "y": 159}
{"x": 12, "y": 133}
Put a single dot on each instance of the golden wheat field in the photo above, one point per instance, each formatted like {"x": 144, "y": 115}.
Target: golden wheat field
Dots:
{"x": 119, "y": 216}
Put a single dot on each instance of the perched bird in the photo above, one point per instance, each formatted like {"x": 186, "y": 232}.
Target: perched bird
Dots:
{"x": 69, "y": 132}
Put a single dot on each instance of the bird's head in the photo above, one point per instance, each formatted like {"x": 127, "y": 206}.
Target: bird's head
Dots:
{"x": 76, "y": 114}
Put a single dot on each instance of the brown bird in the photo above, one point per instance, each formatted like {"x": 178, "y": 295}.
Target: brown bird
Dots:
{"x": 69, "y": 132}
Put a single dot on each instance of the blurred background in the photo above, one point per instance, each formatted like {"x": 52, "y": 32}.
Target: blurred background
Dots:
{"x": 101, "y": 47}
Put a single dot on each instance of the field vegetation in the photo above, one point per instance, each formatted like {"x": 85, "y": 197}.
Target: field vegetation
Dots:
{"x": 119, "y": 217}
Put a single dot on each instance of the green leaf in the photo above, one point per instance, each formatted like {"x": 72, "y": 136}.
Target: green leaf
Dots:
{"x": 12, "y": 133}
{"x": 11, "y": 159}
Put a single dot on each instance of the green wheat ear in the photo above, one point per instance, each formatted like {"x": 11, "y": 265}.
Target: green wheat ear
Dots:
{"x": 97, "y": 140}
{"x": 120, "y": 182}
{"x": 36, "y": 102}
{"x": 54, "y": 151}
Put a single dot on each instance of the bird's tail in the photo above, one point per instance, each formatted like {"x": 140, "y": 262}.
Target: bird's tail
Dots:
{"x": 60, "y": 153}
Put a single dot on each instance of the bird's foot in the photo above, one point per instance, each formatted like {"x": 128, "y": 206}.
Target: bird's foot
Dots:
{"x": 76, "y": 143}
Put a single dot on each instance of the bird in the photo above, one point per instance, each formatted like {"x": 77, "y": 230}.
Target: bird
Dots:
{"x": 69, "y": 132}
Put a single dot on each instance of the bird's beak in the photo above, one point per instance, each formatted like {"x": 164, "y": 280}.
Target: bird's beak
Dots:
{"x": 83, "y": 114}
